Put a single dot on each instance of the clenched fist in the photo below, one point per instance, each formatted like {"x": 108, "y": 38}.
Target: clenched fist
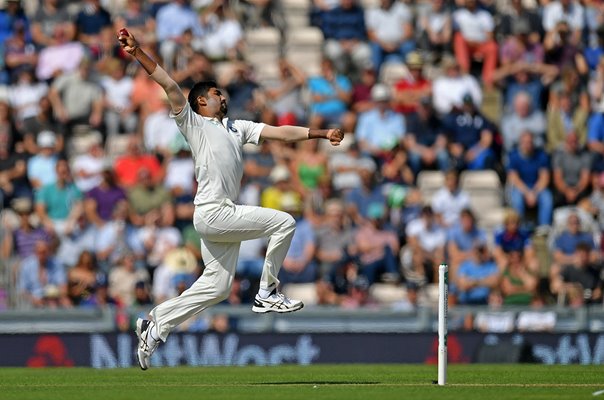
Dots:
{"x": 335, "y": 136}
{"x": 127, "y": 41}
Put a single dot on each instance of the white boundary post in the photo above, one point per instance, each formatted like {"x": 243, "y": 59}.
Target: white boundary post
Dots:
{"x": 443, "y": 297}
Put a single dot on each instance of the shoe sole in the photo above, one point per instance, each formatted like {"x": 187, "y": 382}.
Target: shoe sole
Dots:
{"x": 264, "y": 310}
{"x": 138, "y": 330}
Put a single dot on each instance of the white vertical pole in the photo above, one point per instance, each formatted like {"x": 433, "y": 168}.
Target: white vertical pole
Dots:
{"x": 443, "y": 295}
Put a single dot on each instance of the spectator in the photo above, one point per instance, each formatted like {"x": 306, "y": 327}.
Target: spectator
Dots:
{"x": 12, "y": 16}
{"x": 390, "y": 31}
{"x": 309, "y": 165}
{"x": 119, "y": 110}
{"x": 518, "y": 281}
{"x": 409, "y": 91}
{"x": 596, "y": 199}
{"x": 330, "y": 95}
{"x": 580, "y": 278}
{"x": 522, "y": 44}
{"x": 159, "y": 235}
{"x": 513, "y": 238}
{"x": 357, "y": 200}
{"x": 243, "y": 92}
{"x": 474, "y": 39}
{"x": 334, "y": 237}
{"x": 561, "y": 49}
{"x": 396, "y": 168}
{"x": 376, "y": 247}
{"x": 82, "y": 280}
{"x": 160, "y": 131}
{"x": 42, "y": 281}
{"x": 90, "y": 21}
{"x": 358, "y": 295}
{"x": 519, "y": 77}
{"x": 223, "y": 34}
{"x": 471, "y": 137}
{"x": 251, "y": 259}
{"x": 102, "y": 200}
{"x": 274, "y": 196}
{"x": 523, "y": 118}
{"x": 567, "y": 11}
{"x": 180, "y": 171}
{"x": 41, "y": 167}
{"x": 426, "y": 239}
{"x": 88, "y": 167}
{"x": 380, "y": 129}
{"x": 45, "y": 20}
{"x": 595, "y": 140}
{"x": 335, "y": 285}
{"x": 13, "y": 174}
{"x": 25, "y": 95}
{"x": 346, "y": 168}
{"x": 566, "y": 242}
{"x": 572, "y": 173}
{"x": 565, "y": 116}
{"x": 477, "y": 276}
{"x": 139, "y": 21}
{"x": 19, "y": 53}
{"x": 78, "y": 237}
{"x": 361, "y": 91}
{"x": 425, "y": 139}
{"x": 123, "y": 278}
{"x": 77, "y": 99}
{"x": 436, "y": 29}
{"x": 518, "y": 18}
{"x": 449, "y": 89}
{"x": 63, "y": 56}
{"x": 42, "y": 121}
{"x": 128, "y": 166}
{"x": 463, "y": 239}
{"x": 283, "y": 102}
{"x": 22, "y": 241}
{"x": 147, "y": 96}
{"x": 257, "y": 166}
{"x": 449, "y": 201}
{"x": 346, "y": 37}
{"x": 528, "y": 178}
{"x": 59, "y": 204}
{"x": 147, "y": 196}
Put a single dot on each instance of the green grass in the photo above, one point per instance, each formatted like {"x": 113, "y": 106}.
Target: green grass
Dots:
{"x": 347, "y": 382}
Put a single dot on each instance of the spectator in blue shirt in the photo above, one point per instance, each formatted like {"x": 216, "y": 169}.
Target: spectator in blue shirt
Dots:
{"x": 462, "y": 238}
{"x": 513, "y": 238}
{"x": 595, "y": 140}
{"x": 91, "y": 21}
{"x": 476, "y": 278}
{"x": 528, "y": 178}
{"x": 42, "y": 281}
{"x": 358, "y": 199}
{"x": 345, "y": 36}
{"x": 10, "y": 17}
{"x": 470, "y": 136}
{"x": 41, "y": 167}
{"x": 380, "y": 129}
{"x": 565, "y": 244}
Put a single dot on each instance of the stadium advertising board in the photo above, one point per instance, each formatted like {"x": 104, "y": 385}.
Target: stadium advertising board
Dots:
{"x": 117, "y": 350}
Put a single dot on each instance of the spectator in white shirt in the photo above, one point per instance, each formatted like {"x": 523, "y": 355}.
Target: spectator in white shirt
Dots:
{"x": 449, "y": 90}
{"x": 569, "y": 11}
{"x": 119, "y": 111}
{"x": 427, "y": 239}
{"x": 88, "y": 167}
{"x": 449, "y": 201}
{"x": 474, "y": 39}
{"x": 25, "y": 94}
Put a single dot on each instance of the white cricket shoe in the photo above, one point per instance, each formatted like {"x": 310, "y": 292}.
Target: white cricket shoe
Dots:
{"x": 276, "y": 302}
{"x": 146, "y": 344}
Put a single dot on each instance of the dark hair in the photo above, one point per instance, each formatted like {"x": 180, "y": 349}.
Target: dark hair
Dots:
{"x": 199, "y": 89}
{"x": 583, "y": 246}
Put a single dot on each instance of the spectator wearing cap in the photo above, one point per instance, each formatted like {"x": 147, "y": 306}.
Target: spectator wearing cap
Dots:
{"x": 474, "y": 39}
{"x": 523, "y": 118}
{"x": 567, "y": 241}
{"x": 390, "y": 31}
{"x": 177, "y": 264}
{"x": 514, "y": 238}
{"x": 127, "y": 166}
{"x": 379, "y": 129}
{"x": 42, "y": 281}
{"x": 59, "y": 204}
{"x": 462, "y": 240}
{"x": 49, "y": 14}
{"x": 23, "y": 239}
{"x": 41, "y": 167}
{"x": 101, "y": 200}
{"x": 88, "y": 167}
{"x": 357, "y": 200}
{"x": 410, "y": 90}
{"x": 449, "y": 89}
{"x": 426, "y": 239}
{"x": 376, "y": 247}
{"x": 477, "y": 276}
{"x": 449, "y": 201}
{"x": 334, "y": 236}
{"x": 572, "y": 173}
{"x": 426, "y": 139}
{"x": 528, "y": 179}
{"x": 273, "y": 196}
{"x": 471, "y": 137}
{"x": 436, "y": 28}
{"x": 346, "y": 36}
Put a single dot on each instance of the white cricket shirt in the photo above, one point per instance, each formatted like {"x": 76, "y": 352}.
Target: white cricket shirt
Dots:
{"x": 217, "y": 150}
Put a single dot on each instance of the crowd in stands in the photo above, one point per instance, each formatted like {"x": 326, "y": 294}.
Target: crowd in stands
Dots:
{"x": 515, "y": 87}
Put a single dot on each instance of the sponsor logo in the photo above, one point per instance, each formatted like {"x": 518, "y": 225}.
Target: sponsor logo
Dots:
{"x": 49, "y": 351}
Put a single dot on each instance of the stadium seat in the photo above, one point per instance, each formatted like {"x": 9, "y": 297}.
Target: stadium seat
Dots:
{"x": 309, "y": 61}
{"x": 487, "y": 179}
{"x": 386, "y": 293}
{"x": 296, "y": 13}
{"x": 486, "y": 193}
{"x": 264, "y": 39}
{"x": 307, "y": 292}
{"x": 306, "y": 38}
{"x": 429, "y": 182}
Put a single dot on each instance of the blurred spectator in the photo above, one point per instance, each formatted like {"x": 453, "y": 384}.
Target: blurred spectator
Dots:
{"x": 361, "y": 91}
{"x": 471, "y": 137}
{"x": 49, "y": 15}
{"x": 522, "y": 44}
{"x": 463, "y": 241}
{"x": 11, "y": 17}
{"x": 78, "y": 236}
{"x": 476, "y": 277}
{"x": 346, "y": 36}
{"x": 258, "y": 13}
{"x": 334, "y": 237}
{"x": 518, "y": 19}
{"x": 572, "y": 172}
{"x": 8, "y": 132}
{"x": 409, "y": 91}
{"x": 42, "y": 121}
{"x": 283, "y": 102}
{"x": 119, "y": 110}
{"x": 528, "y": 178}
{"x": 513, "y": 238}
{"x": 523, "y": 118}
{"x": 136, "y": 17}
{"x": 19, "y": 53}
{"x": 396, "y": 168}
{"x": 390, "y": 31}
{"x": 330, "y": 95}
{"x": 59, "y": 204}
{"x": 25, "y": 95}
{"x": 192, "y": 64}
{"x": 173, "y": 20}
{"x": 176, "y": 265}
{"x": 567, "y": 11}
{"x": 299, "y": 265}
{"x": 449, "y": 201}
{"x": 566, "y": 242}
{"x": 273, "y": 196}
{"x": 596, "y": 199}
{"x": 425, "y": 139}
{"x": 42, "y": 281}
{"x": 128, "y": 166}
{"x": 13, "y": 174}
{"x": 90, "y": 21}
{"x": 561, "y": 49}
{"x": 580, "y": 278}
{"x": 147, "y": 196}
{"x": 243, "y": 91}
{"x": 142, "y": 296}
{"x": 595, "y": 140}
{"x": 358, "y": 199}
{"x": 22, "y": 241}
{"x": 517, "y": 77}
{"x": 518, "y": 283}
{"x": 377, "y": 247}
{"x": 426, "y": 239}
{"x": 41, "y": 167}
{"x": 358, "y": 295}
{"x": 88, "y": 167}
{"x": 258, "y": 165}
{"x": 567, "y": 112}
{"x": 180, "y": 171}
{"x": 102, "y": 199}
{"x": 309, "y": 165}
{"x": 160, "y": 131}
{"x": 159, "y": 236}
{"x": 436, "y": 29}
{"x": 223, "y": 34}
{"x": 123, "y": 279}
{"x": 63, "y": 56}
{"x": 379, "y": 129}
{"x": 82, "y": 280}
{"x": 449, "y": 89}
{"x": 147, "y": 96}
{"x": 474, "y": 39}
{"x": 346, "y": 168}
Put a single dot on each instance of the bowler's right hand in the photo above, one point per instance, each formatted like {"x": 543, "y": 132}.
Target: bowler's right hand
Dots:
{"x": 127, "y": 41}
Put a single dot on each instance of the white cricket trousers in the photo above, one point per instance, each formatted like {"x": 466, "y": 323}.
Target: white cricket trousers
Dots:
{"x": 222, "y": 227}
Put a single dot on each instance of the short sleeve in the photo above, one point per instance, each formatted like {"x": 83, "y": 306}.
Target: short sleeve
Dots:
{"x": 250, "y": 131}
{"x": 544, "y": 161}
{"x": 41, "y": 195}
{"x": 186, "y": 117}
